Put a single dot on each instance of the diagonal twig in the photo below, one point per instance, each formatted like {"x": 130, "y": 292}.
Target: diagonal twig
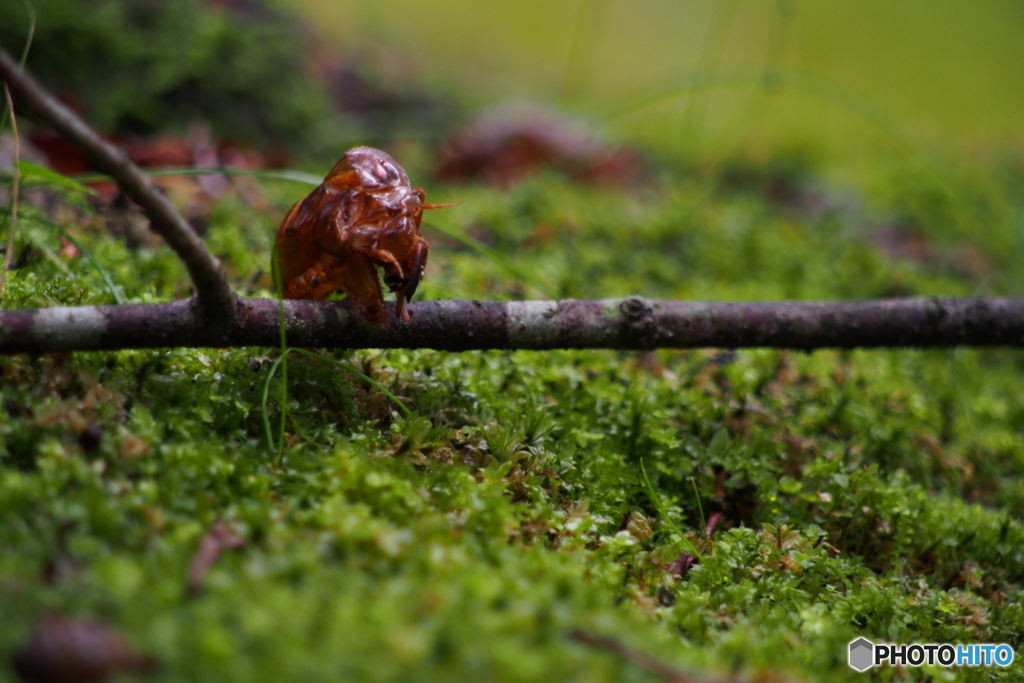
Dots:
{"x": 655, "y": 666}
{"x": 639, "y": 659}
{"x": 217, "y": 301}
{"x": 632, "y": 323}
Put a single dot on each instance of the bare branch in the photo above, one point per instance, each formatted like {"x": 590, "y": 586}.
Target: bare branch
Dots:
{"x": 455, "y": 325}
{"x": 216, "y": 299}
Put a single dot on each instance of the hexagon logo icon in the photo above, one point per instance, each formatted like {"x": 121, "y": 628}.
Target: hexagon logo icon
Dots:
{"x": 861, "y": 655}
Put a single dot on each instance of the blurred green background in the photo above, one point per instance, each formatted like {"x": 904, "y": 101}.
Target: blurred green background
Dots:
{"x": 857, "y": 80}
{"x": 851, "y": 83}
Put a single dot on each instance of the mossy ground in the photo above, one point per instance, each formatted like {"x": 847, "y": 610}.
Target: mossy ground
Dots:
{"x": 871, "y": 493}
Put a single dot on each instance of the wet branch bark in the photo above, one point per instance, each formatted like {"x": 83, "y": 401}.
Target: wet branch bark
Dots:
{"x": 216, "y": 300}
{"x": 632, "y": 323}
{"x": 221, "y": 319}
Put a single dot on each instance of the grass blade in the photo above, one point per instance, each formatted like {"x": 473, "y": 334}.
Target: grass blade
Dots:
{"x": 263, "y": 403}
{"x": 268, "y": 432}
{"x": 77, "y": 244}
{"x": 467, "y": 241}
{"x": 690, "y": 547}
{"x": 30, "y": 34}
{"x": 12, "y": 223}
{"x": 700, "y": 508}
{"x": 48, "y": 176}
{"x": 348, "y": 368}
{"x": 289, "y": 175}
{"x": 49, "y": 253}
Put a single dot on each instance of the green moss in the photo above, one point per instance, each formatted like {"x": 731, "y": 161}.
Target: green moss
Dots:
{"x": 138, "y": 67}
{"x": 872, "y": 493}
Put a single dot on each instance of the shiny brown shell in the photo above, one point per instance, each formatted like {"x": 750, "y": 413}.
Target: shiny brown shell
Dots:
{"x": 364, "y": 215}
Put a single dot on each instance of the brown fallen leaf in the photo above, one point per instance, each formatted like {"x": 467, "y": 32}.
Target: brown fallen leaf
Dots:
{"x": 682, "y": 565}
{"x": 218, "y": 539}
{"x": 198, "y": 149}
{"x": 715, "y": 511}
{"x": 69, "y": 650}
{"x": 512, "y": 141}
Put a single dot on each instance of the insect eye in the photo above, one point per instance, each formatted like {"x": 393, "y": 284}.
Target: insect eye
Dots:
{"x": 392, "y": 281}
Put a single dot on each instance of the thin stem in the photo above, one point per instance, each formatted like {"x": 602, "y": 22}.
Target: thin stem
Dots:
{"x": 284, "y": 391}
{"x": 107, "y": 280}
{"x": 8, "y": 255}
{"x": 700, "y": 508}
{"x": 468, "y": 241}
{"x": 50, "y": 254}
{"x": 348, "y": 368}
{"x": 282, "y": 362}
{"x": 77, "y": 244}
{"x": 24, "y": 50}
{"x": 31, "y": 31}
{"x": 288, "y": 174}
{"x": 656, "y": 499}
{"x": 282, "y": 327}
{"x": 263, "y": 403}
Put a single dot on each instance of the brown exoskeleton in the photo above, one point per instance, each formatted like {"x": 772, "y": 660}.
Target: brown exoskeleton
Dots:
{"x": 365, "y": 214}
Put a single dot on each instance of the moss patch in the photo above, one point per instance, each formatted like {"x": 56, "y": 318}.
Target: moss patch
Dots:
{"x": 869, "y": 493}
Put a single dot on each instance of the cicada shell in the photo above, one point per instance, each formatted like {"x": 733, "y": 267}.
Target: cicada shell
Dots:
{"x": 363, "y": 216}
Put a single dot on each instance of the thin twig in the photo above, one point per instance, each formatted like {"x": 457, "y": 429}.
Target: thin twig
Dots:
{"x": 649, "y": 663}
{"x": 454, "y": 325}
{"x": 635, "y": 657}
{"x": 217, "y": 301}
{"x": 219, "y": 538}
{"x": 16, "y": 177}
